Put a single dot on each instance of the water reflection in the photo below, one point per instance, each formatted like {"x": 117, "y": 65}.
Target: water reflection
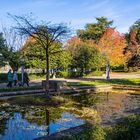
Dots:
{"x": 111, "y": 105}
{"x": 26, "y": 123}
{"x": 19, "y": 128}
{"x": 118, "y": 105}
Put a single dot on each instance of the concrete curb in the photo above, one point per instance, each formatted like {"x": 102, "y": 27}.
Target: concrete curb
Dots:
{"x": 79, "y": 89}
{"x": 68, "y": 132}
{"x": 26, "y": 92}
{"x": 126, "y": 87}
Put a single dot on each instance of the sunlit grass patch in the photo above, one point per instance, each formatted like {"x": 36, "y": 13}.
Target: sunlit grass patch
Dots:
{"x": 131, "y": 81}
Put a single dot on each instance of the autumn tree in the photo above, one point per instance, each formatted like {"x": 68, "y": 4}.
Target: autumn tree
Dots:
{"x": 84, "y": 54}
{"x": 45, "y": 34}
{"x": 132, "y": 51}
{"x": 34, "y": 56}
{"x": 112, "y": 45}
{"x": 95, "y": 31}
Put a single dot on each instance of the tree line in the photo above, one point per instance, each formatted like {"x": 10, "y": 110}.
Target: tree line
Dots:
{"x": 95, "y": 47}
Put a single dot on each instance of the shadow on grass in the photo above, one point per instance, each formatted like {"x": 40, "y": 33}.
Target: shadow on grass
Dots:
{"x": 92, "y": 82}
{"x": 121, "y": 81}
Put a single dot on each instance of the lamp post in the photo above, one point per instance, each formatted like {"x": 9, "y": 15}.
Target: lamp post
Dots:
{"x": 22, "y": 69}
{"x": 1, "y": 59}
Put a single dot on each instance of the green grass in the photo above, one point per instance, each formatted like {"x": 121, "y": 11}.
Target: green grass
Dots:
{"x": 37, "y": 76}
{"x": 132, "y": 81}
{"x": 95, "y": 73}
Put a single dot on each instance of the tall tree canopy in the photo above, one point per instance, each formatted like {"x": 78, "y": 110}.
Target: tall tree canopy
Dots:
{"x": 132, "y": 50}
{"x": 2, "y": 49}
{"x": 84, "y": 54}
{"x": 35, "y": 56}
{"x": 95, "y": 31}
{"x": 8, "y": 53}
{"x": 45, "y": 34}
{"x": 112, "y": 45}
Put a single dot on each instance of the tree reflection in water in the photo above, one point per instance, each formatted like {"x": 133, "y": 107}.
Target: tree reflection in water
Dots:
{"x": 36, "y": 122}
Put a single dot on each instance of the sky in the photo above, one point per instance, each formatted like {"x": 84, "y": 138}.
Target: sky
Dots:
{"x": 76, "y": 13}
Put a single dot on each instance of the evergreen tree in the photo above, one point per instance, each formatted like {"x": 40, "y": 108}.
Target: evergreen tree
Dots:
{"x": 95, "y": 31}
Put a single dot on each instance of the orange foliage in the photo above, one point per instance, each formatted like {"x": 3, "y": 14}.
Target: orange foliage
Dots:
{"x": 112, "y": 45}
{"x": 26, "y": 47}
{"x": 75, "y": 42}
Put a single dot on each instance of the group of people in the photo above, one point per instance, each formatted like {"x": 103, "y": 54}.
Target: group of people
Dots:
{"x": 13, "y": 78}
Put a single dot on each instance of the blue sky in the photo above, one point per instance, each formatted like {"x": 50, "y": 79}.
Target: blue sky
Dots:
{"x": 74, "y": 12}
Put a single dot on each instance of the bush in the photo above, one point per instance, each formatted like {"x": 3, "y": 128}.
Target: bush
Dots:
{"x": 93, "y": 133}
{"x": 68, "y": 74}
{"x": 129, "y": 129}
{"x": 75, "y": 74}
{"x": 35, "y": 76}
{"x": 133, "y": 69}
{"x": 3, "y": 77}
{"x": 95, "y": 73}
{"x": 63, "y": 74}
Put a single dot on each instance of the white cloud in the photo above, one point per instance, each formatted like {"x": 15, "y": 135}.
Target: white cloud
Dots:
{"x": 94, "y": 5}
{"x": 123, "y": 29}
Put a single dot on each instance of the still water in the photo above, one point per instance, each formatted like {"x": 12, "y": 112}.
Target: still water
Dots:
{"x": 27, "y": 123}
{"x": 19, "y": 128}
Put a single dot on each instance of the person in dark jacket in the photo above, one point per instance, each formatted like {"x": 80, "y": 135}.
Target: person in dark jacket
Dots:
{"x": 10, "y": 78}
{"x": 25, "y": 79}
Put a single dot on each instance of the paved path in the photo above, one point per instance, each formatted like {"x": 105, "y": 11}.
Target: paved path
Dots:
{"x": 113, "y": 76}
{"x": 123, "y": 75}
{"x": 32, "y": 83}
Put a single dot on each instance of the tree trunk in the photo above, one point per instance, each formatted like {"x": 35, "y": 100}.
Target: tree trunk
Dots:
{"x": 47, "y": 70}
{"x": 47, "y": 120}
{"x": 82, "y": 72}
{"x": 108, "y": 71}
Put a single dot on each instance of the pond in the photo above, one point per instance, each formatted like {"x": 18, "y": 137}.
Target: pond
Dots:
{"x": 112, "y": 106}
{"x": 28, "y": 126}
{"x": 19, "y": 122}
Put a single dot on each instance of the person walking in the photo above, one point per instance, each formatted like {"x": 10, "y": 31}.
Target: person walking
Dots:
{"x": 15, "y": 78}
{"x": 26, "y": 79}
{"x": 10, "y": 78}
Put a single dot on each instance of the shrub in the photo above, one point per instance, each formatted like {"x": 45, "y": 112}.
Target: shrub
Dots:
{"x": 129, "y": 129}
{"x": 3, "y": 77}
{"x": 94, "y": 133}
{"x": 95, "y": 73}
{"x": 35, "y": 76}
{"x": 63, "y": 74}
{"x": 75, "y": 74}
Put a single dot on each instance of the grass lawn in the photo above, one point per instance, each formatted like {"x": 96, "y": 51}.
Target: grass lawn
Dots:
{"x": 132, "y": 81}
